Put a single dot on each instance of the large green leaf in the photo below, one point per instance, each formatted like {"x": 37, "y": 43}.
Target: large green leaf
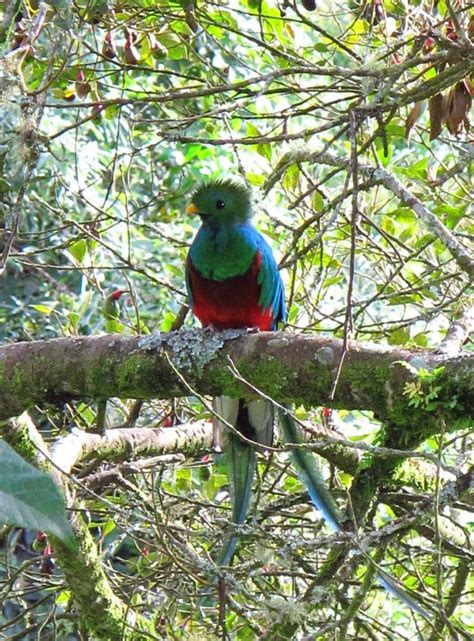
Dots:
{"x": 29, "y": 498}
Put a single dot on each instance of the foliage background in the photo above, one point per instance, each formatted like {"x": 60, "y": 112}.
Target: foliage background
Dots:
{"x": 111, "y": 114}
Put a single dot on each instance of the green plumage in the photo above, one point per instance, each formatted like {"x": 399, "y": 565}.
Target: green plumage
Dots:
{"x": 242, "y": 462}
{"x": 223, "y": 254}
{"x": 111, "y": 313}
{"x": 236, "y": 199}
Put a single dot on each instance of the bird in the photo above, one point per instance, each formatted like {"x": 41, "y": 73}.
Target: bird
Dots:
{"x": 111, "y": 311}
{"x": 233, "y": 282}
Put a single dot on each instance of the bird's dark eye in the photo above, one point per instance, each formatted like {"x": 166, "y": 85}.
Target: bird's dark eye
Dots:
{"x": 220, "y": 204}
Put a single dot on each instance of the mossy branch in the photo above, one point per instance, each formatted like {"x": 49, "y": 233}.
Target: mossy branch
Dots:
{"x": 286, "y": 367}
{"x": 103, "y": 614}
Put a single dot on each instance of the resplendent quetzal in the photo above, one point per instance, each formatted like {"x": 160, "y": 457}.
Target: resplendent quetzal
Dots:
{"x": 233, "y": 282}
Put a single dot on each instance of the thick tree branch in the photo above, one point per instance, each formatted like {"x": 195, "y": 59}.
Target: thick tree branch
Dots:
{"x": 287, "y": 367}
{"x": 119, "y": 444}
{"x": 190, "y": 439}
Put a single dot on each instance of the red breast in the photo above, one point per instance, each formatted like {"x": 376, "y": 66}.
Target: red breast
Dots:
{"x": 230, "y": 303}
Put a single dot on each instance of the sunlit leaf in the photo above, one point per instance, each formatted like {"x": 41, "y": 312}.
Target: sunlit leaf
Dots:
{"x": 43, "y": 309}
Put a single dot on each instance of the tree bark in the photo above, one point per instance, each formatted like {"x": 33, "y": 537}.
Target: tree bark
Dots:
{"x": 285, "y": 367}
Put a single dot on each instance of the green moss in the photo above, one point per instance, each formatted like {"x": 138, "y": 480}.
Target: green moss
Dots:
{"x": 16, "y": 432}
{"x": 272, "y": 375}
{"x": 128, "y": 375}
{"x": 134, "y": 376}
{"x": 318, "y": 381}
{"x": 416, "y": 473}
{"x": 102, "y": 613}
{"x": 368, "y": 385}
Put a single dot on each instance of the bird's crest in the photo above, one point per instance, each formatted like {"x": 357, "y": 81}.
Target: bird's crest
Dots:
{"x": 225, "y": 200}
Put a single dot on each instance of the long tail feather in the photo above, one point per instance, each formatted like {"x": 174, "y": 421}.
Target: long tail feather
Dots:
{"x": 389, "y": 584}
{"x": 242, "y": 463}
{"x": 261, "y": 419}
{"x": 307, "y": 467}
{"x": 225, "y": 408}
{"x": 310, "y": 474}
{"x": 254, "y": 420}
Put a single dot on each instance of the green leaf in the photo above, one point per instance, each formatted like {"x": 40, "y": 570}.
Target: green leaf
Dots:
{"x": 255, "y": 179}
{"x": 265, "y": 150}
{"x": 167, "y": 321}
{"x": 63, "y": 598}
{"x": 4, "y": 186}
{"x": 253, "y": 131}
{"x": 333, "y": 280}
{"x": 417, "y": 169}
{"x": 317, "y": 200}
{"x": 112, "y": 111}
{"x": 452, "y": 214}
{"x": 290, "y": 179}
{"x": 43, "y": 309}
{"x": 400, "y": 336}
{"x": 321, "y": 47}
{"x": 30, "y": 498}
{"x": 421, "y": 339}
{"x": 78, "y": 250}
{"x": 108, "y": 527}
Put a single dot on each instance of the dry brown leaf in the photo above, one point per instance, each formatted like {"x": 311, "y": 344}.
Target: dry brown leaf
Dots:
{"x": 459, "y": 104}
{"x": 469, "y": 86}
{"x": 131, "y": 55}
{"x": 109, "y": 50}
{"x": 412, "y": 118}
{"x": 437, "y": 106}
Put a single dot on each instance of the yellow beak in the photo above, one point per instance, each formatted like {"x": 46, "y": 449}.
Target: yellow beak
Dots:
{"x": 191, "y": 209}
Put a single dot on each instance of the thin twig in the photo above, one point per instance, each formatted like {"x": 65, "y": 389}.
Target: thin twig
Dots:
{"x": 348, "y": 325}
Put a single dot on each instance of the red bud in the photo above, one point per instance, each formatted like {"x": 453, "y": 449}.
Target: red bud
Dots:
{"x": 109, "y": 50}
{"x": 82, "y": 86}
{"x": 131, "y": 55}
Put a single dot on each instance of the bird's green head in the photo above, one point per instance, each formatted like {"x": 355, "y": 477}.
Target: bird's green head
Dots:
{"x": 221, "y": 202}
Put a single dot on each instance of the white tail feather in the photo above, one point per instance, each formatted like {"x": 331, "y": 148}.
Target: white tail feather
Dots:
{"x": 227, "y": 409}
{"x": 260, "y": 417}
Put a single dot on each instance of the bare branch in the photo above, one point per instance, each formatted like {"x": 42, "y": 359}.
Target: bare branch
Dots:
{"x": 118, "y": 444}
{"x": 381, "y": 176}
